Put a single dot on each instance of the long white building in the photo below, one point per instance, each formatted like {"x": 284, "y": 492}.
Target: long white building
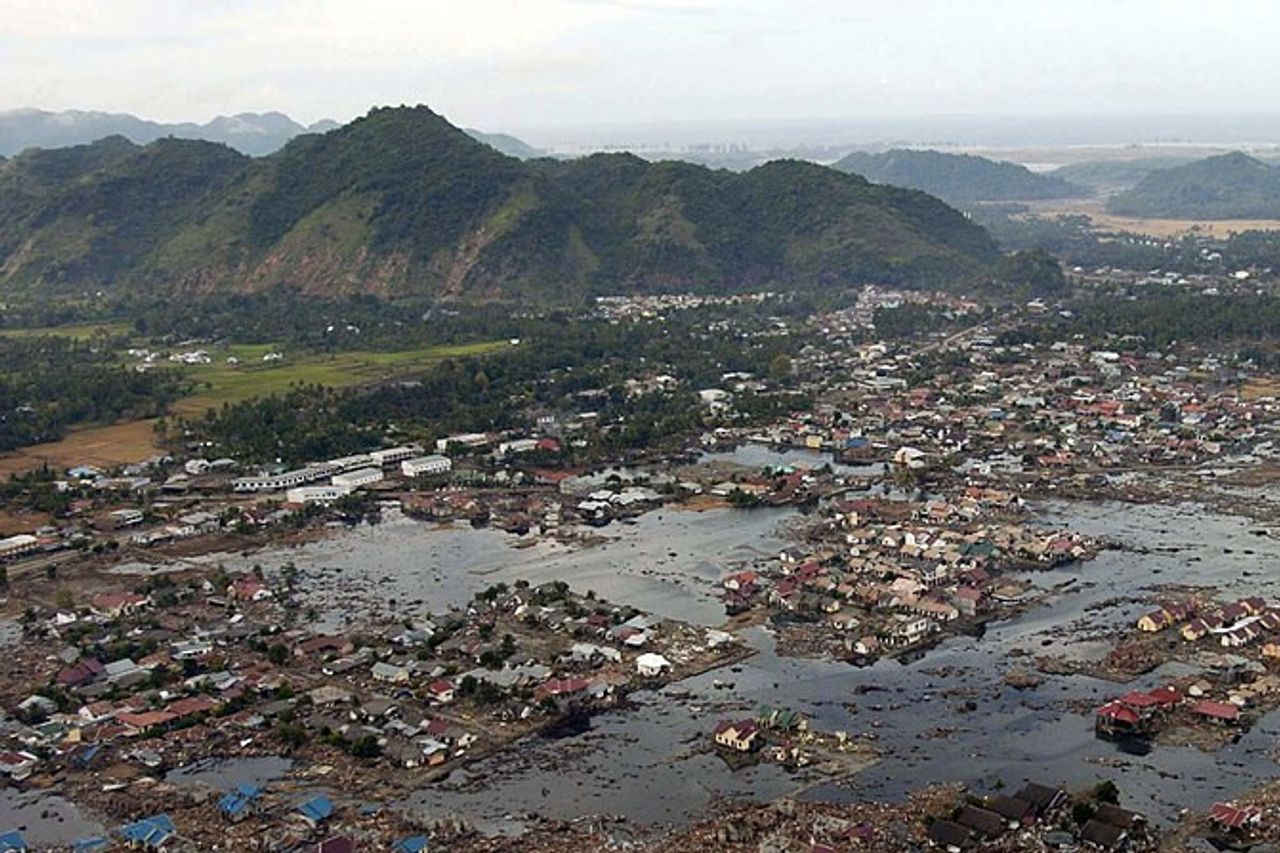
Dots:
{"x": 316, "y": 494}
{"x": 356, "y": 479}
{"x": 16, "y": 546}
{"x": 425, "y": 466}
{"x": 466, "y": 439}
{"x": 392, "y": 455}
{"x": 285, "y": 480}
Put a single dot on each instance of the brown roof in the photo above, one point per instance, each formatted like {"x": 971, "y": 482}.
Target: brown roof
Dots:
{"x": 1102, "y": 834}
{"x": 981, "y": 821}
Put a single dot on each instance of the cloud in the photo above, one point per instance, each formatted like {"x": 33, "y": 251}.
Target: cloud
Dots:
{"x": 506, "y": 63}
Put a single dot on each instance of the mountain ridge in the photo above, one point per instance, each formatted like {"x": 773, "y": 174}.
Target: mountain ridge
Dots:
{"x": 957, "y": 178}
{"x": 255, "y": 134}
{"x": 1224, "y": 186}
{"x": 401, "y": 201}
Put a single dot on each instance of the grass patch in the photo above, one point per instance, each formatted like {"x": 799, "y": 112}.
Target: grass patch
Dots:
{"x": 220, "y": 382}
{"x": 81, "y": 331}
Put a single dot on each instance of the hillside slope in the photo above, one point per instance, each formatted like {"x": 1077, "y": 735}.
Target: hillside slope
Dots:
{"x": 1228, "y": 186}
{"x": 1109, "y": 176}
{"x": 957, "y": 178}
{"x": 402, "y": 202}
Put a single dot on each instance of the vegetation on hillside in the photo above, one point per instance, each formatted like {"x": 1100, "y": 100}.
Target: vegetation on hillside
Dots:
{"x": 1111, "y": 175}
{"x": 1228, "y": 186}
{"x": 1031, "y": 274}
{"x": 958, "y": 178}
{"x": 400, "y": 202}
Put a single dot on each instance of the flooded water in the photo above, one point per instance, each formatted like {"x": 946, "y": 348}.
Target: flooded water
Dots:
{"x": 224, "y": 774}
{"x": 668, "y": 562}
{"x": 762, "y": 455}
{"x": 650, "y": 763}
{"x": 948, "y": 717}
{"x": 44, "y": 819}
{"x": 645, "y": 763}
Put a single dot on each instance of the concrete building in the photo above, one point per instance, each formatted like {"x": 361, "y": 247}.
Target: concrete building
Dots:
{"x": 466, "y": 439}
{"x": 517, "y": 445}
{"x": 316, "y": 494}
{"x": 122, "y": 518}
{"x": 426, "y": 466}
{"x": 351, "y": 463}
{"x": 651, "y": 665}
{"x": 285, "y": 480}
{"x": 17, "y": 546}
{"x": 392, "y": 455}
{"x": 357, "y": 479}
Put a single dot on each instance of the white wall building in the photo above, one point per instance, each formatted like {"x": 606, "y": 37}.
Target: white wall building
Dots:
{"x": 355, "y": 479}
{"x": 351, "y": 463}
{"x": 466, "y": 439}
{"x": 16, "y": 546}
{"x": 286, "y": 480}
{"x": 392, "y": 455}
{"x": 126, "y": 518}
{"x": 426, "y": 465}
{"x": 316, "y": 494}
{"x": 652, "y": 665}
{"x": 518, "y": 445}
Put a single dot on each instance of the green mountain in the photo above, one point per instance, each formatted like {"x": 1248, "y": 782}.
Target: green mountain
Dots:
{"x": 1228, "y": 186}
{"x": 957, "y": 178}
{"x": 402, "y": 202}
{"x": 1106, "y": 176}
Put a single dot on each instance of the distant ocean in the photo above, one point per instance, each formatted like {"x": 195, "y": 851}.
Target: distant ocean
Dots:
{"x": 937, "y": 131}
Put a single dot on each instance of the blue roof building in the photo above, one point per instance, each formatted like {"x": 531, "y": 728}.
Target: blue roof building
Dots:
{"x": 88, "y": 845}
{"x": 412, "y": 844}
{"x": 12, "y": 841}
{"x": 235, "y": 804}
{"x": 317, "y": 810}
{"x": 150, "y": 832}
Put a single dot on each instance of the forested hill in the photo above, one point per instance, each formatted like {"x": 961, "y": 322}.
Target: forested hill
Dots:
{"x": 1108, "y": 176}
{"x": 402, "y": 202}
{"x": 1228, "y": 186}
{"x": 958, "y": 178}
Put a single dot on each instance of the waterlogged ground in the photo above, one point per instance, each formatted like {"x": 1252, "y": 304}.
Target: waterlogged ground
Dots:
{"x": 668, "y": 562}
{"x": 947, "y": 717}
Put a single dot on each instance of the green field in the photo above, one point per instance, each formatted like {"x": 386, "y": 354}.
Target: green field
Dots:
{"x": 220, "y": 382}
{"x": 81, "y": 330}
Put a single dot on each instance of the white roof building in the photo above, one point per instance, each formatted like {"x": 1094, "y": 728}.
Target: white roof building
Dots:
{"x": 356, "y": 479}
{"x": 316, "y": 494}
{"x": 426, "y": 465}
{"x": 651, "y": 664}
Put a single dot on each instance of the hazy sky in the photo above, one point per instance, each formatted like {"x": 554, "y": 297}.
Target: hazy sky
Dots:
{"x": 521, "y": 64}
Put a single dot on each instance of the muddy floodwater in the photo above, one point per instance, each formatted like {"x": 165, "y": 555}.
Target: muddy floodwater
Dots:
{"x": 947, "y": 717}
{"x": 637, "y": 763}
{"x": 669, "y": 562}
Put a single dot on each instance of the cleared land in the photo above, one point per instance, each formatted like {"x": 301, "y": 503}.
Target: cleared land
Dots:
{"x": 220, "y": 382}
{"x": 1159, "y": 228}
{"x": 117, "y": 444}
{"x": 1259, "y": 388}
